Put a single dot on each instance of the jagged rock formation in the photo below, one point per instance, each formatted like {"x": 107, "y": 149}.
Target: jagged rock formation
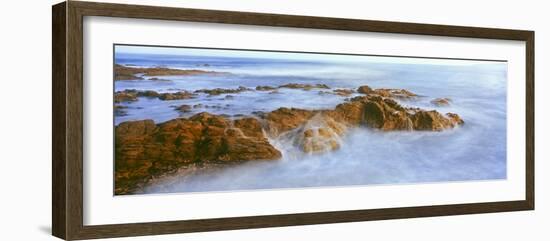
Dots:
{"x": 145, "y": 150}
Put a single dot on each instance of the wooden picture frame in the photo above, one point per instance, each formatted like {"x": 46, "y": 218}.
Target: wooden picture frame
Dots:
{"x": 67, "y": 124}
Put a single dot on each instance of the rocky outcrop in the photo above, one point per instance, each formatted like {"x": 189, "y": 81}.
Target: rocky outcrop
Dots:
{"x": 265, "y": 88}
{"x": 343, "y": 92}
{"x": 130, "y": 73}
{"x": 126, "y": 73}
{"x": 365, "y": 89}
{"x": 388, "y": 115}
{"x": 285, "y": 119}
{"x": 219, "y": 91}
{"x": 440, "y": 102}
{"x": 389, "y": 93}
{"x": 148, "y": 93}
{"x": 159, "y": 79}
{"x": 319, "y": 134}
{"x": 304, "y": 86}
{"x": 181, "y": 95}
{"x": 145, "y": 149}
{"x": 125, "y": 96}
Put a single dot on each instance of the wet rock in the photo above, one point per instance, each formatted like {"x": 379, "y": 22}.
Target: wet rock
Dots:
{"x": 389, "y": 93}
{"x": 158, "y": 79}
{"x": 319, "y": 134}
{"x": 184, "y": 108}
{"x": 433, "y": 121}
{"x": 197, "y": 106}
{"x": 126, "y": 73}
{"x": 130, "y": 73}
{"x": 351, "y": 113}
{"x": 148, "y": 93}
{"x": 441, "y": 102}
{"x": 304, "y": 86}
{"x": 343, "y": 92}
{"x": 386, "y": 114}
{"x": 219, "y": 91}
{"x": 181, "y": 95}
{"x": 125, "y": 96}
{"x": 394, "y": 93}
{"x": 285, "y": 119}
{"x": 455, "y": 118}
{"x": 229, "y": 97}
{"x": 265, "y": 88}
{"x": 145, "y": 149}
{"x": 365, "y": 89}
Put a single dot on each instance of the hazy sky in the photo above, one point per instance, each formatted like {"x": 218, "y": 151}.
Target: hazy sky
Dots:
{"x": 288, "y": 56}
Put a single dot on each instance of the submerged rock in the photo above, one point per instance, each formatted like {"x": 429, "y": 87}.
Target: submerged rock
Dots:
{"x": 441, "y": 102}
{"x": 158, "y": 79}
{"x": 120, "y": 110}
{"x": 184, "y": 108}
{"x": 145, "y": 149}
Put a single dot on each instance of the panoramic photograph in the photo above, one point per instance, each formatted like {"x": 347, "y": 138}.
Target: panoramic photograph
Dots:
{"x": 209, "y": 120}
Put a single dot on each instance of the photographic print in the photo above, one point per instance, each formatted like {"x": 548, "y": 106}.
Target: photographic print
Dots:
{"x": 192, "y": 119}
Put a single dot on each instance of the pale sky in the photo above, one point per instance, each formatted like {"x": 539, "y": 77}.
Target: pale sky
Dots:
{"x": 290, "y": 56}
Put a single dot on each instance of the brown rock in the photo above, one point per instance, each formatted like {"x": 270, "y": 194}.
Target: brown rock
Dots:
{"x": 455, "y": 118}
{"x": 304, "y": 86}
{"x": 125, "y": 96}
{"x": 343, "y": 92}
{"x": 158, "y": 79}
{"x": 184, "y": 108}
{"x": 365, "y": 89}
{"x": 394, "y": 93}
{"x": 145, "y": 150}
{"x": 441, "y": 102}
{"x": 390, "y": 93}
{"x": 285, "y": 119}
{"x": 148, "y": 93}
{"x": 386, "y": 114}
{"x": 126, "y": 73}
{"x": 219, "y": 91}
{"x": 319, "y": 134}
{"x": 177, "y": 95}
{"x": 129, "y": 73}
{"x": 265, "y": 88}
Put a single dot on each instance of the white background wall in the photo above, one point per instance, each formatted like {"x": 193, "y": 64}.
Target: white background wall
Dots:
{"x": 25, "y": 122}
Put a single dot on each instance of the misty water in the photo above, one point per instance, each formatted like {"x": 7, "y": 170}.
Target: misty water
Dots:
{"x": 474, "y": 151}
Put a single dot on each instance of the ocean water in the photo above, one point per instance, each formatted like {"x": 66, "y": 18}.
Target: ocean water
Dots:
{"x": 474, "y": 151}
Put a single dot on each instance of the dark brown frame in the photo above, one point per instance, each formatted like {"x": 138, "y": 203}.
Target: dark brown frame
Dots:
{"x": 67, "y": 123}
